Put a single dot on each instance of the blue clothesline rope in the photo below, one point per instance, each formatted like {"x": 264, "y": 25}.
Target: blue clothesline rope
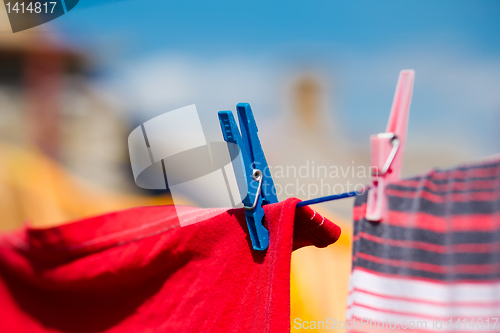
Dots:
{"x": 327, "y": 198}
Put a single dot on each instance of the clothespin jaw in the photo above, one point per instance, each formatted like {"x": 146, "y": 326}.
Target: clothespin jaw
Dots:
{"x": 388, "y": 147}
{"x": 253, "y": 169}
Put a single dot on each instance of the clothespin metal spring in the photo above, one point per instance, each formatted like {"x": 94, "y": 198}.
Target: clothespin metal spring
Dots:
{"x": 257, "y": 176}
{"x": 395, "y": 146}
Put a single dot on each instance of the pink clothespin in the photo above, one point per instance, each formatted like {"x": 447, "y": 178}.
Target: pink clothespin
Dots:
{"x": 388, "y": 147}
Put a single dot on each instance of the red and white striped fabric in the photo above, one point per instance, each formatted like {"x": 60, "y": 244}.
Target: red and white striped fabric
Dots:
{"x": 434, "y": 262}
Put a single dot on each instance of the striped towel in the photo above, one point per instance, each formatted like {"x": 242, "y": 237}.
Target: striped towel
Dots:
{"x": 434, "y": 262}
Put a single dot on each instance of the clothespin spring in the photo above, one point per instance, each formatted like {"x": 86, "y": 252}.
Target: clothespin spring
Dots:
{"x": 257, "y": 176}
{"x": 395, "y": 146}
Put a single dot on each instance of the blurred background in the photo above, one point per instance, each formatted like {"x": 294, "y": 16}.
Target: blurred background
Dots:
{"x": 319, "y": 75}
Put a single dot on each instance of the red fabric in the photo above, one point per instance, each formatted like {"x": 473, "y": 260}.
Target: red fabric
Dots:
{"x": 138, "y": 271}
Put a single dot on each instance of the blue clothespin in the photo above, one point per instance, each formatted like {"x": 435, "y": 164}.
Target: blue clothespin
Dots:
{"x": 252, "y": 171}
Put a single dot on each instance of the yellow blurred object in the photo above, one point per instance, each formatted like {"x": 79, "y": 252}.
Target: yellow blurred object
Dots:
{"x": 36, "y": 190}
{"x": 319, "y": 281}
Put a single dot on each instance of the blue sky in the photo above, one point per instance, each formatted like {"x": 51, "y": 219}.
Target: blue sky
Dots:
{"x": 218, "y": 53}
{"x": 247, "y": 26}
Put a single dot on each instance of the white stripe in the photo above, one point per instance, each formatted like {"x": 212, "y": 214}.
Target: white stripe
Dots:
{"x": 424, "y": 290}
{"x": 424, "y": 309}
{"x": 414, "y": 292}
{"x": 419, "y": 323}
